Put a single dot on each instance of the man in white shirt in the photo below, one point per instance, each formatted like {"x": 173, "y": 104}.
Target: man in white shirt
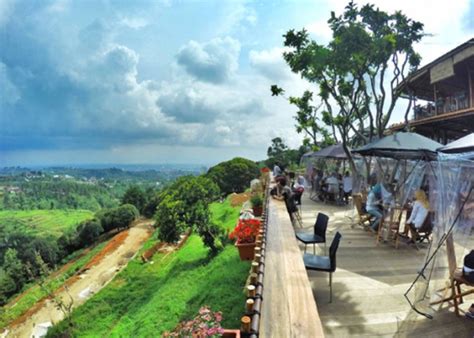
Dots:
{"x": 347, "y": 186}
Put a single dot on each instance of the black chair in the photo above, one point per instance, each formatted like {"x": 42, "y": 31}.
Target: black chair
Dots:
{"x": 324, "y": 263}
{"x": 318, "y": 235}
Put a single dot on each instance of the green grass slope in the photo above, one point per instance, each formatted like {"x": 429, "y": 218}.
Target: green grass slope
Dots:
{"x": 144, "y": 300}
{"x": 42, "y": 222}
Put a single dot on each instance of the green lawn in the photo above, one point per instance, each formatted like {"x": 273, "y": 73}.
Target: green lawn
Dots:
{"x": 42, "y": 222}
{"x": 144, "y": 300}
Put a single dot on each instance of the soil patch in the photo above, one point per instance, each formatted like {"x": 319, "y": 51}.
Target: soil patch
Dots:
{"x": 239, "y": 199}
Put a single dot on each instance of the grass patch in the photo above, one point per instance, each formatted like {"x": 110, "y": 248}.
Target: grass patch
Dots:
{"x": 33, "y": 293}
{"x": 224, "y": 214}
{"x": 144, "y": 300}
{"x": 42, "y": 222}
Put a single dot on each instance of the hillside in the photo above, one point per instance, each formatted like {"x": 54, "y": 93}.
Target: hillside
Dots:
{"x": 147, "y": 299}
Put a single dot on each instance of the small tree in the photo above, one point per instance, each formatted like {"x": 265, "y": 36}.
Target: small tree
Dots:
{"x": 169, "y": 219}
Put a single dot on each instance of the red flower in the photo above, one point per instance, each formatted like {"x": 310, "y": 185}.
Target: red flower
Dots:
{"x": 246, "y": 230}
{"x": 265, "y": 170}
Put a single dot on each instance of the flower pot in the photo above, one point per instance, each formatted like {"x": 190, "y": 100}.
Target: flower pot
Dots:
{"x": 231, "y": 333}
{"x": 257, "y": 211}
{"x": 246, "y": 250}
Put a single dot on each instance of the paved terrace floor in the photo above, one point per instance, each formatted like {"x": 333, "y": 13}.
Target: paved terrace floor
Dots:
{"x": 369, "y": 284}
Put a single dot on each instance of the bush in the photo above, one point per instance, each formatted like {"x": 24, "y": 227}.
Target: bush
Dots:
{"x": 234, "y": 175}
{"x": 117, "y": 218}
{"x": 89, "y": 231}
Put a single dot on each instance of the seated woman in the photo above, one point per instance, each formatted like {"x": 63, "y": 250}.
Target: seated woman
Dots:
{"x": 418, "y": 214}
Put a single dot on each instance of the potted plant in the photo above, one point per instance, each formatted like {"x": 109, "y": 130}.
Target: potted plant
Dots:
{"x": 257, "y": 204}
{"x": 205, "y": 324}
{"x": 245, "y": 234}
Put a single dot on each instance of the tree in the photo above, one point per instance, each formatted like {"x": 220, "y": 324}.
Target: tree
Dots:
{"x": 234, "y": 175}
{"x": 14, "y": 268}
{"x": 89, "y": 231}
{"x": 359, "y": 71}
{"x": 168, "y": 219}
{"x": 117, "y": 218}
{"x": 185, "y": 204}
{"x": 308, "y": 120}
{"x": 7, "y": 286}
{"x": 135, "y": 196}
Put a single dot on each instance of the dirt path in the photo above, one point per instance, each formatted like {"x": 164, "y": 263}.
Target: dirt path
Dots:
{"x": 84, "y": 286}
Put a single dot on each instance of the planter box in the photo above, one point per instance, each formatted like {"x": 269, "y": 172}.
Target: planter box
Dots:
{"x": 246, "y": 250}
{"x": 231, "y": 334}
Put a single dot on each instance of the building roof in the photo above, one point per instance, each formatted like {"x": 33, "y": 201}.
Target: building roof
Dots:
{"x": 439, "y": 69}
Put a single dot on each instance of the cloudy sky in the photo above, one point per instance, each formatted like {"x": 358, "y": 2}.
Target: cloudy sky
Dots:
{"x": 181, "y": 81}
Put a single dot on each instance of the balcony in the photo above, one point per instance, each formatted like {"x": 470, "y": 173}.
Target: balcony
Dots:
{"x": 368, "y": 285}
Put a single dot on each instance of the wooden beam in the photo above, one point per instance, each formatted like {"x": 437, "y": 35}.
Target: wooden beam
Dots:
{"x": 288, "y": 307}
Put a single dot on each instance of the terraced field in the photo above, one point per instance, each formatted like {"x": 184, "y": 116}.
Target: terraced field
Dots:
{"x": 42, "y": 222}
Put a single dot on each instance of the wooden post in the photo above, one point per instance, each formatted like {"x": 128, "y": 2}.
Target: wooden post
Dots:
{"x": 452, "y": 265}
{"x": 435, "y": 99}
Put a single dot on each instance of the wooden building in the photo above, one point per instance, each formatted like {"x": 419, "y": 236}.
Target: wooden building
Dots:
{"x": 444, "y": 96}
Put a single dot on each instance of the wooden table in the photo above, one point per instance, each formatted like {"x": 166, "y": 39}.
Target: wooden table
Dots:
{"x": 288, "y": 308}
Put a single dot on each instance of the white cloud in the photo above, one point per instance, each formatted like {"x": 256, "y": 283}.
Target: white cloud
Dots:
{"x": 270, "y": 63}
{"x": 214, "y": 61}
{"x": 134, "y": 22}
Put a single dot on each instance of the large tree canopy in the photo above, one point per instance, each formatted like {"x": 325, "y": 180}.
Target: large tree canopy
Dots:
{"x": 234, "y": 175}
{"x": 358, "y": 71}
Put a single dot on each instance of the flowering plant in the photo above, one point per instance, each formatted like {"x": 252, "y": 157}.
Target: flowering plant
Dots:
{"x": 265, "y": 170}
{"x": 246, "y": 230}
{"x": 205, "y": 324}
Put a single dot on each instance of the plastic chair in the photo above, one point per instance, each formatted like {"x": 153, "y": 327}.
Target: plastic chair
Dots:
{"x": 318, "y": 235}
{"x": 324, "y": 263}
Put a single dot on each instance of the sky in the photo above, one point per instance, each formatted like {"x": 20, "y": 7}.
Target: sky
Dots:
{"x": 166, "y": 81}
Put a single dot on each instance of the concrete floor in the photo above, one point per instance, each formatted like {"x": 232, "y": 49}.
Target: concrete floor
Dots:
{"x": 369, "y": 284}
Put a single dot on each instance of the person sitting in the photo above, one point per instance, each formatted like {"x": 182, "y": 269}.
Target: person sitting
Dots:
{"x": 332, "y": 183}
{"x": 418, "y": 214}
{"x": 468, "y": 274}
{"x": 347, "y": 187}
{"x": 277, "y": 170}
{"x": 298, "y": 189}
{"x": 374, "y": 200}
